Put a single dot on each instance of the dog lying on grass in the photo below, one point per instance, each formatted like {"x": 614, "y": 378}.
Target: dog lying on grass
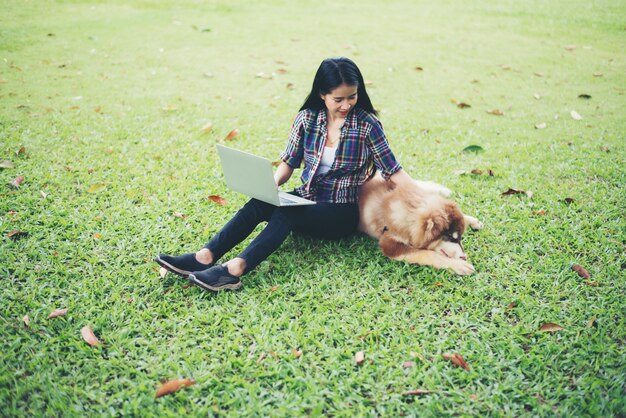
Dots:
{"x": 415, "y": 223}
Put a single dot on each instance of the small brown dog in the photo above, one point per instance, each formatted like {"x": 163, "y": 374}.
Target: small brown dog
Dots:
{"x": 415, "y": 223}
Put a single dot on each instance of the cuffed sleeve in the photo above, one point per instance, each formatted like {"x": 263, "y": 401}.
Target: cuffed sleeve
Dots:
{"x": 293, "y": 153}
{"x": 384, "y": 160}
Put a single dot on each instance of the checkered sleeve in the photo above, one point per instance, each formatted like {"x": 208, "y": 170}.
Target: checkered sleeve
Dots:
{"x": 292, "y": 155}
{"x": 384, "y": 160}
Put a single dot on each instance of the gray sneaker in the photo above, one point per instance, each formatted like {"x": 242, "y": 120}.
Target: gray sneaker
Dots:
{"x": 215, "y": 278}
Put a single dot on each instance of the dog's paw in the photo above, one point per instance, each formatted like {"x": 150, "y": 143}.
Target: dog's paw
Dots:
{"x": 462, "y": 268}
{"x": 473, "y": 222}
{"x": 476, "y": 224}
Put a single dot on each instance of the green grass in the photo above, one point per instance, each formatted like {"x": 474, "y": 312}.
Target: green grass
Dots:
{"x": 116, "y": 94}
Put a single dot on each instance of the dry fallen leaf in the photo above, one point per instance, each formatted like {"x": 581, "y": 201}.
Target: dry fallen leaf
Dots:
{"x": 477, "y": 171}
{"x": 232, "y": 134}
{"x": 359, "y": 357}
{"x": 456, "y": 359}
{"x": 550, "y": 327}
{"x": 575, "y": 115}
{"x": 460, "y": 105}
{"x": 542, "y": 125}
{"x": 179, "y": 215}
{"x": 516, "y": 191}
{"x": 207, "y": 128}
{"x": 417, "y": 392}
{"x": 218, "y": 199}
{"x": 43, "y": 194}
{"x": 56, "y": 313}
{"x": 591, "y": 322}
{"x": 89, "y": 336}
{"x": 172, "y": 386}
{"x": 408, "y": 364}
{"x": 162, "y": 272}
{"x": 17, "y": 182}
{"x": 582, "y": 272}
{"x": 6, "y": 164}
{"x": 26, "y": 321}
{"x": 297, "y": 352}
{"x": 496, "y": 112}
{"x": 537, "y": 96}
{"x": 16, "y": 234}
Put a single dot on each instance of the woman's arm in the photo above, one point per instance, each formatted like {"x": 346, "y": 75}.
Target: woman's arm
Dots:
{"x": 283, "y": 173}
{"x": 400, "y": 177}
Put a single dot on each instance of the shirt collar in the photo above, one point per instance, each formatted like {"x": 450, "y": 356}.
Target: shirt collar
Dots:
{"x": 351, "y": 118}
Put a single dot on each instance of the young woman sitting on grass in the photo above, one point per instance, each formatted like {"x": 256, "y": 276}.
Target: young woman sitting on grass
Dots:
{"x": 341, "y": 142}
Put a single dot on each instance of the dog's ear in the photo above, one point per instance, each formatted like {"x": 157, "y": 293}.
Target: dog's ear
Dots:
{"x": 434, "y": 225}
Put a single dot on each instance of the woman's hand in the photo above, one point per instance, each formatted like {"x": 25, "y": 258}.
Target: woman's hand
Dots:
{"x": 401, "y": 177}
{"x": 283, "y": 173}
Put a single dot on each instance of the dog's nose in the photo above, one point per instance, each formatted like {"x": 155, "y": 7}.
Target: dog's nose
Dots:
{"x": 463, "y": 257}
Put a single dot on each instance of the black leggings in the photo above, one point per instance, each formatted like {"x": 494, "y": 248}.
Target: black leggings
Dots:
{"x": 322, "y": 220}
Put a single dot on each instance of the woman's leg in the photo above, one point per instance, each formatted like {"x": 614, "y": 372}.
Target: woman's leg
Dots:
{"x": 239, "y": 227}
{"x": 235, "y": 231}
{"x": 322, "y": 220}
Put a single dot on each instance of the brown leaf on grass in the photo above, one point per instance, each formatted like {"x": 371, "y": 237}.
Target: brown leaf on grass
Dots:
{"x": 605, "y": 149}
{"x": 477, "y": 171}
{"x": 359, "y": 357}
{"x": 542, "y": 125}
{"x": 598, "y": 74}
{"x": 26, "y": 321}
{"x": 207, "y": 128}
{"x": 460, "y": 105}
{"x": 21, "y": 151}
{"x": 569, "y": 200}
{"x": 517, "y": 191}
{"x": 584, "y": 96}
{"x": 89, "y": 336}
{"x": 418, "y": 68}
{"x": 172, "y": 386}
{"x": 17, "y": 182}
{"x": 592, "y": 322}
{"x": 43, "y": 194}
{"x": 539, "y": 212}
{"x": 232, "y": 134}
{"x": 550, "y": 327}
{"x": 218, "y": 199}
{"x": 582, "y": 272}
{"x": 6, "y": 164}
{"x": 511, "y": 305}
{"x": 162, "y": 272}
{"x": 16, "y": 234}
{"x": 297, "y": 352}
{"x": 456, "y": 359}
{"x": 490, "y": 172}
{"x": 179, "y": 215}
{"x": 57, "y": 312}
{"x": 408, "y": 364}
{"x": 537, "y": 96}
{"x": 495, "y": 112}
{"x": 417, "y": 392}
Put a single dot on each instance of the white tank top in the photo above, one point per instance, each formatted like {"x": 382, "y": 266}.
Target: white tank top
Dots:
{"x": 328, "y": 158}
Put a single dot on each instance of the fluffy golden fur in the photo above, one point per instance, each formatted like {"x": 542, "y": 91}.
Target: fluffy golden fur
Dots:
{"x": 415, "y": 223}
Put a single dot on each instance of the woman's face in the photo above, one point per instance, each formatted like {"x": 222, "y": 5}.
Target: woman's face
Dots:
{"x": 340, "y": 101}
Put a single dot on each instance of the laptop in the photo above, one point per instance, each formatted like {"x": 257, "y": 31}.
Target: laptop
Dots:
{"x": 253, "y": 176}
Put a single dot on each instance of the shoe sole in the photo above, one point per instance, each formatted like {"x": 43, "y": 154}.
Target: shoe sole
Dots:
{"x": 231, "y": 286}
{"x": 167, "y": 266}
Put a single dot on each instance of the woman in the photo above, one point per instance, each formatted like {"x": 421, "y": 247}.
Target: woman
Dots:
{"x": 341, "y": 142}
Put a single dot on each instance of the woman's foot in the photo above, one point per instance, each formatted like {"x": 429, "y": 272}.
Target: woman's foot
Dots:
{"x": 185, "y": 264}
{"x": 215, "y": 279}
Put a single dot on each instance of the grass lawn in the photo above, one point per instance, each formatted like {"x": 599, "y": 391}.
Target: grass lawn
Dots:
{"x": 102, "y": 106}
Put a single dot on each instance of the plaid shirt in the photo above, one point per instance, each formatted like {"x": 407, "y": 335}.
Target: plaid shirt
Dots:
{"x": 362, "y": 148}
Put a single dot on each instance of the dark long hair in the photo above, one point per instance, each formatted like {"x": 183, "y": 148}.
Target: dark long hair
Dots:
{"x": 332, "y": 73}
